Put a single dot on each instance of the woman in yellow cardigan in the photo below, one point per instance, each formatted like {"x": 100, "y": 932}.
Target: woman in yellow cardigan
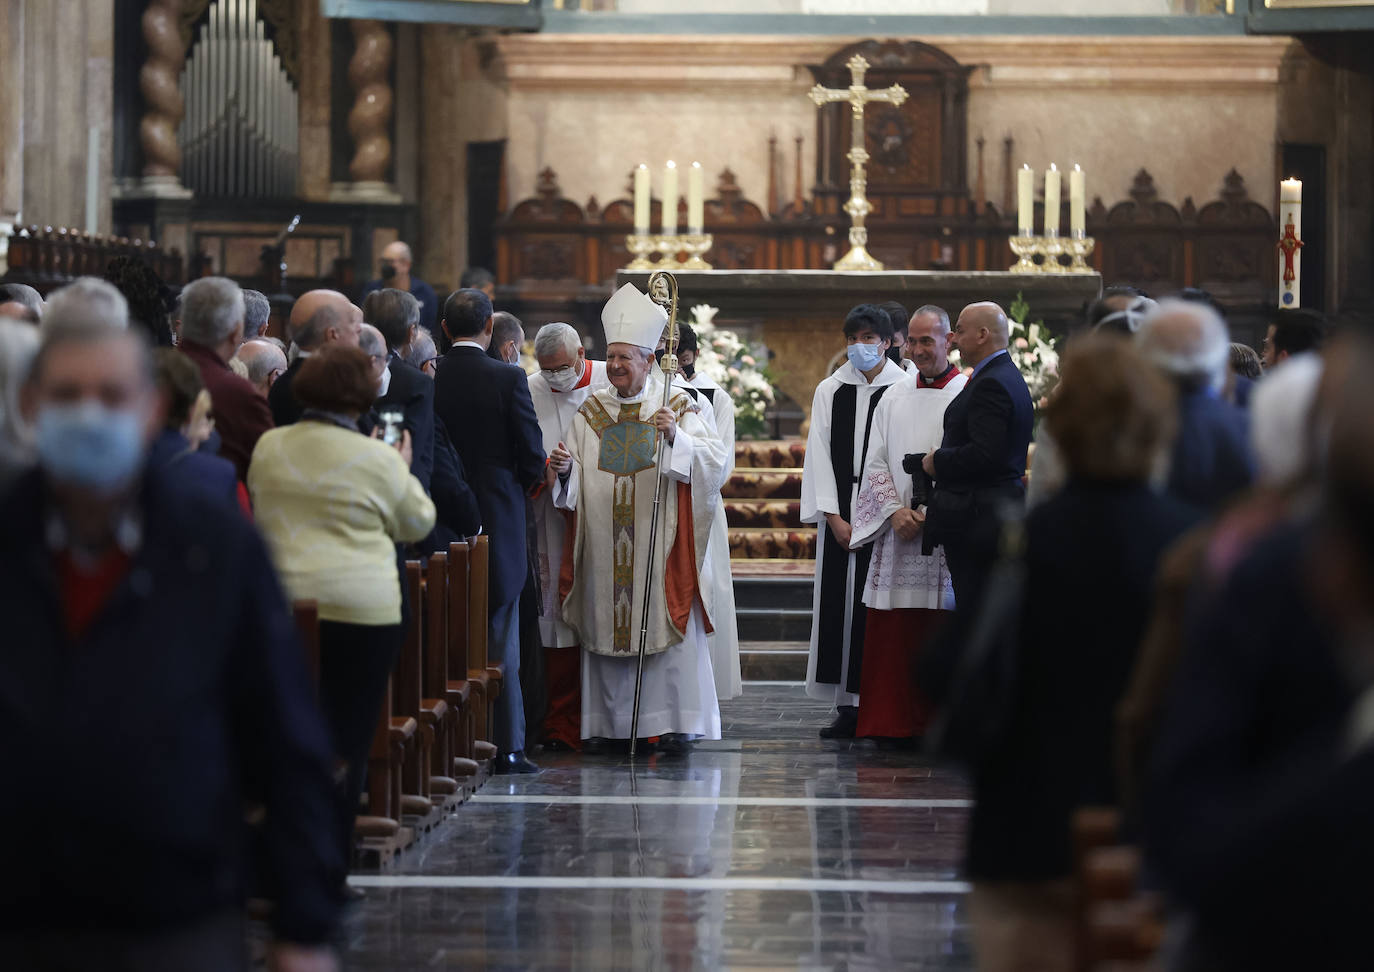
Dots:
{"x": 333, "y": 504}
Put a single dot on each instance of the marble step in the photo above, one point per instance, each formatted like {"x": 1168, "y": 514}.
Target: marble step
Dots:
{"x": 773, "y": 609}
{"x": 747, "y": 543}
{"x": 772, "y": 661}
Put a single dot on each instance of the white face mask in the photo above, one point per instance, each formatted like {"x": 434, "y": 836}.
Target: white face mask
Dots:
{"x": 562, "y": 380}
{"x": 384, "y": 382}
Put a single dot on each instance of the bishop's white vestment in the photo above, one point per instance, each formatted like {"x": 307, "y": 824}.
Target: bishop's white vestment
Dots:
{"x": 840, "y": 414}
{"x": 614, "y": 476}
{"x": 717, "y": 579}
{"x": 555, "y": 411}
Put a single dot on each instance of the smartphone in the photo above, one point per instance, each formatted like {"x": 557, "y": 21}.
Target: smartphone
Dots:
{"x": 391, "y": 426}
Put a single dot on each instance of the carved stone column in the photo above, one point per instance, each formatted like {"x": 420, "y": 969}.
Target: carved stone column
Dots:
{"x": 163, "y": 105}
{"x": 369, "y": 121}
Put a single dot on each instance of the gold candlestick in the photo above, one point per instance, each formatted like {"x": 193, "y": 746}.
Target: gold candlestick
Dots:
{"x": 695, "y": 246}
{"x": 1051, "y": 247}
{"x": 667, "y": 248}
{"x": 640, "y": 247}
{"x": 1025, "y": 248}
{"x": 1079, "y": 249}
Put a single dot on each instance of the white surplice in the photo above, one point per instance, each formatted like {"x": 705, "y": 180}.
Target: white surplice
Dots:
{"x": 555, "y": 411}
{"x": 716, "y": 578}
{"x": 611, "y": 566}
{"x": 820, "y": 495}
{"x": 909, "y": 420}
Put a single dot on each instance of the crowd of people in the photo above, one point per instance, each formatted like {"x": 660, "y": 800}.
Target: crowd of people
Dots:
{"x": 310, "y": 467}
{"x": 1172, "y": 618}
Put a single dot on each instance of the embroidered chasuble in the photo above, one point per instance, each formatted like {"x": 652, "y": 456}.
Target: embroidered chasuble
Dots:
{"x": 614, "y": 446}
{"x": 841, "y": 421}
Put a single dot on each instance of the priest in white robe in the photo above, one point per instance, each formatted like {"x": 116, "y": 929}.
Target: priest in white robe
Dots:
{"x": 905, "y": 591}
{"x": 608, "y": 473}
{"x": 716, "y": 577}
{"x": 563, "y": 382}
{"x": 835, "y": 449}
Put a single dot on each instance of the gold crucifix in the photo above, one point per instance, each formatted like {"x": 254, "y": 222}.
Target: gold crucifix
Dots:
{"x": 858, "y": 95}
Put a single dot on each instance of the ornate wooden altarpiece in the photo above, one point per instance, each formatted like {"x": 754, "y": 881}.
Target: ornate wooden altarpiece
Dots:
{"x": 556, "y": 258}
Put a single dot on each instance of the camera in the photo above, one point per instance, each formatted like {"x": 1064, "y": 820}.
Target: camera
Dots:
{"x": 921, "y": 485}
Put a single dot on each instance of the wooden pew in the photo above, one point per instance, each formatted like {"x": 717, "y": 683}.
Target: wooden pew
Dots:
{"x": 417, "y": 800}
{"x": 1119, "y": 927}
{"x": 452, "y": 759}
{"x": 479, "y": 658}
{"x": 467, "y": 621}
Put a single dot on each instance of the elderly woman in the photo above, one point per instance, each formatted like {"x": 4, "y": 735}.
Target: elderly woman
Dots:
{"x": 333, "y": 504}
{"x": 189, "y": 423}
{"x": 1091, "y": 556}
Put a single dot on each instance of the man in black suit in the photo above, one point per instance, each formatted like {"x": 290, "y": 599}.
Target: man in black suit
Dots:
{"x": 981, "y": 462}
{"x": 318, "y": 317}
{"x": 396, "y": 315}
{"x": 487, "y": 410}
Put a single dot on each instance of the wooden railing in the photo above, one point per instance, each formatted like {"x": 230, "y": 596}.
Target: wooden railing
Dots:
{"x": 46, "y": 258}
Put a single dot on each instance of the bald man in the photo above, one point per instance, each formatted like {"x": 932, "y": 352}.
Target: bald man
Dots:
{"x": 264, "y": 361}
{"x": 982, "y": 457}
{"x": 318, "y": 318}
{"x": 395, "y": 265}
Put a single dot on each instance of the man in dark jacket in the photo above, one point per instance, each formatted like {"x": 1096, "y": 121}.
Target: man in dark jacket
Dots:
{"x": 1211, "y": 460}
{"x": 486, "y": 407}
{"x": 982, "y": 460}
{"x": 318, "y": 317}
{"x": 396, "y": 314}
{"x": 148, "y": 643}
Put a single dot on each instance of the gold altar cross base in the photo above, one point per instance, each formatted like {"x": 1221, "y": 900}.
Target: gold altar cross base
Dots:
{"x": 858, "y": 95}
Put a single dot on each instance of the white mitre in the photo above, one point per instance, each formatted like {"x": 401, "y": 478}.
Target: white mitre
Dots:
{"x": 630, "y": 317}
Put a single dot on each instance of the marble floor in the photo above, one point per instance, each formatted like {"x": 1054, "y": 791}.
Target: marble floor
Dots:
{"x": 770, "y": 849}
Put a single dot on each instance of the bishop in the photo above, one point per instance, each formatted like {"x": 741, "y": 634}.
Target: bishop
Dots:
{"x": 608, "y": 473}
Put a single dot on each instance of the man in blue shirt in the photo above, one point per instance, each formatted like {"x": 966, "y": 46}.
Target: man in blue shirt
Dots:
{"x": 396, "y": 264}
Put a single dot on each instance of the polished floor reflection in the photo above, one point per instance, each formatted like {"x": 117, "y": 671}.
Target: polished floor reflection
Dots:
{"x": 768, "y": 849}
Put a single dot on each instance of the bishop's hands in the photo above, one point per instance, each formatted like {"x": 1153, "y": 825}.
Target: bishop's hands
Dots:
{"x": 666, "y": 422}
{"x": 907, "y": 523}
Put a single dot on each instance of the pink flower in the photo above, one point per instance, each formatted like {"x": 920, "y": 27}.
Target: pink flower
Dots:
{"x": 1022, "y": 344}
{"x": 748, "y": 359}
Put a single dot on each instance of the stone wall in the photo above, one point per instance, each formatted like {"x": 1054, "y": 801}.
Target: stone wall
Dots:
{"x": 1188, "y": 109}
{"x": 56, "y": 82}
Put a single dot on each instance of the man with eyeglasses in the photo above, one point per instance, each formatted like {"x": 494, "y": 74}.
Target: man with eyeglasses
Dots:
{"x": 564, "y": 380}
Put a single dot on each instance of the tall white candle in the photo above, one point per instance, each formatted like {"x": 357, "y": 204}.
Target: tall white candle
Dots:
{"x": 1025, "y": 201}
{"x": 1290, "y": 211}
{"x": 1052, "y": 201}
{"x": 670, "y": 199}
{"x": 641, "y": 199}
{"x": 92, "y": 177}
{"x": 696, "y": 201}
{"x": 1078, "y": 224}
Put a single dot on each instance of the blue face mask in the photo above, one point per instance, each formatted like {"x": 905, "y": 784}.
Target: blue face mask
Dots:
{"x": 88, "y": 445}
{"x": 865, "y": 357}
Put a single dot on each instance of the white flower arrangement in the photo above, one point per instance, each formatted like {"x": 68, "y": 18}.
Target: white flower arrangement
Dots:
{"x": 734, "y": 365}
